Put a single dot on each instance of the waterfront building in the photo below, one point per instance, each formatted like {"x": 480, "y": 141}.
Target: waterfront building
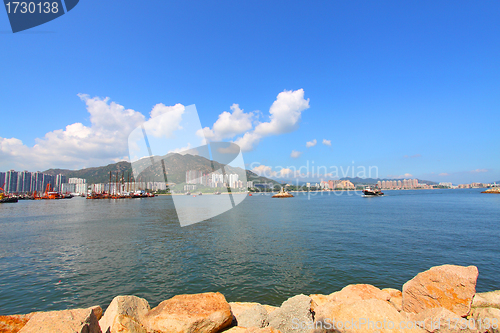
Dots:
{"x": 80, "y": 185}
{"x": 60, "y": 179}
{"x": 345, "y": 184}
{"x": 11, "y": 178}
{"x": 233, "y": 180}
{"x": 37, "y": 181}
{"x": 249, "y": 183}
{"x": 2, "y": 180}
{"x": 24, "y": 182}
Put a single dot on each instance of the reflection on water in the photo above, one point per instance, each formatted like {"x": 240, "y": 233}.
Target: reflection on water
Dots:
{"x": 77, "y": 253}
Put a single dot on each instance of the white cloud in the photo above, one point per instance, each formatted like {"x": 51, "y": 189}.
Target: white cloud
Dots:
{"x": 264, "y": 170}
{"x": 444, "y": 174}
{"x": 165, "y": 126}
{"x": 311, "y": 143}
{"x": 295, "y": 154}
{"x": 105, "y": 140}
{"x": 413, "y": 156}
{"x": 228, "y": 125}
{"x": 479, "y": 171}
{"x": 406, "y": 175}
{"x": 327, "y": 142}
{"x": 77, "y": 145}
{"x": 284, "y": 117}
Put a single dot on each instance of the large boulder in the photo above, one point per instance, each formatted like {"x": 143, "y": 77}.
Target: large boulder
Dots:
{"x": 361, "y": 316}
{"x": 448, "y": 286}
{"x": 487, "y": 319}
{"x": 255, "y": 316}
{"x": 125, "y": 314}
{"x": 201, "y": 313}
{"x": 487, "y": 300}
{"x": 14, "y": 323}
{"x": 249, "y": 314}
{"x": 293, "y": 314}
{"x": 66, "y": 321}
{"x": 356, "y": 292}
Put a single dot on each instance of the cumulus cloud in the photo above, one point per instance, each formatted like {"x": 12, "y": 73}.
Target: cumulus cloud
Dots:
{"x": 311, "y": 143}
{"x": 105, "y": 139}
{"x": 228, "y": 125}
{"x": 479, "y": 171}
{"x": 327, "y": 142}
{"x": 76, "y": 146}
{"x": 165, "y": 126}
{"x": 264, "y": 170}
{"x": 295, "y": 154}
{"x": 284, "y": 117}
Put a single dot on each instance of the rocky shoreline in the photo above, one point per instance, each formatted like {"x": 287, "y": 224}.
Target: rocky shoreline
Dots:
{"x": 441, "y": 299}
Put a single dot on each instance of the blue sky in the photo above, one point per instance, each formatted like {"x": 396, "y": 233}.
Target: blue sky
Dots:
{"x": 410, "y": 87}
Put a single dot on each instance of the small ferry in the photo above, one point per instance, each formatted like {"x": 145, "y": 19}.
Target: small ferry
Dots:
{"x": 372, "y": 192}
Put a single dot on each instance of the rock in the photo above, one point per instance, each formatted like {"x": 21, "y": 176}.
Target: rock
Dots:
{"x": 371, "y": 315}
{"x": 293, "y": 311}
{"x": 125, "y": 314}
{"x": 393, "y": 292}
{"x": 355, "y": 292}
{"x": 318, "y": 300}
{"x": 448, "y": 286}
{"x": 66, "y": 321}
{"x": 203, "y": 313}
{"x": 269, "y": 308}
{"x": 238, "y": 329}
{"x": 487, "y": 318}
{"x": 237, "y": 308}
{"x": 441, "y": 320}
{"x": 487, "y": 300}
{"x": 255, "y": 316}
{"x": 397, "y": 302}
{"x": 13, "y": 323}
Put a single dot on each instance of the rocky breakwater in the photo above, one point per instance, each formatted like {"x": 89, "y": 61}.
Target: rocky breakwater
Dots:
{"x": 442, "y": 299}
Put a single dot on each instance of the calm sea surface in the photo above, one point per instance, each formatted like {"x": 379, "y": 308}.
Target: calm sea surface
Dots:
{"x": 77, "y": 253}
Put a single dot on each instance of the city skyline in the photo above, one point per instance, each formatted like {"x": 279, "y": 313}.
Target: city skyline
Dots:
{"x": 409, "y": 88}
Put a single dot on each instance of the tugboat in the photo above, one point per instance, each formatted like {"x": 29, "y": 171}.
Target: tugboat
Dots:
{"x": 372, "y": 192}
{"x": 282, "y": 194}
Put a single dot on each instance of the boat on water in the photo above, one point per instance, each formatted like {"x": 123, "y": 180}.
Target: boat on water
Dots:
{"x": 200, "y": 193}
{"x": 372, "y": 192}
{"x": 6, "y": 199}
{"x": 217, "y": 193}
{"x": 282, "y": 194}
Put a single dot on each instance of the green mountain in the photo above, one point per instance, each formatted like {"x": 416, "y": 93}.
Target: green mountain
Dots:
{"x": 175, "y": 165}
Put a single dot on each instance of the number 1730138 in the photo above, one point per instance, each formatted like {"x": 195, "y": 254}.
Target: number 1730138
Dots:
{"x": 32, "y": 7}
